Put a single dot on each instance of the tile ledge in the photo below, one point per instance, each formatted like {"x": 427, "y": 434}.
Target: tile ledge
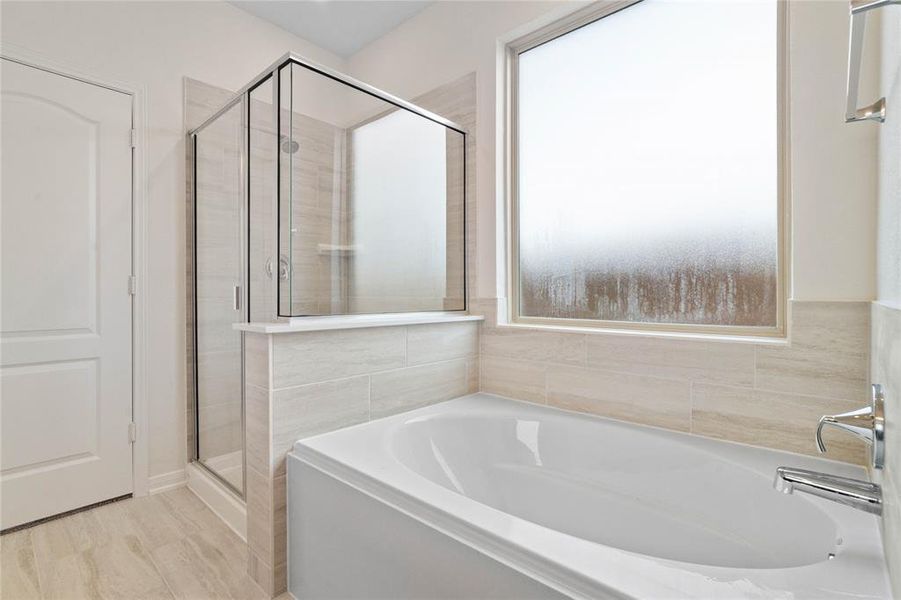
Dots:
{"x": 302, "y": 324}
{"x": 674, "y": 335}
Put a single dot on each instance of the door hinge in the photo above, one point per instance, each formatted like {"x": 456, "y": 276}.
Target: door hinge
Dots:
{"x": 132, "y": 433}
{"x": 132, "y": 285}
{"x": 134, "y": 138}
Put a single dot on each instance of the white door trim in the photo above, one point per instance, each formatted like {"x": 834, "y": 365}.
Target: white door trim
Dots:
{"x": 139, "y": 240}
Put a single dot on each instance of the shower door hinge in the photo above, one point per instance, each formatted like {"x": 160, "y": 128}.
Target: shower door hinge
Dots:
{"x": 132, "y": 285}
{"x": 134, "y": 138}
{"x": 132, "y": 433}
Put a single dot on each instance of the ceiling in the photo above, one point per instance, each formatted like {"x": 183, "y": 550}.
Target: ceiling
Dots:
{"x": 339, "y": 26}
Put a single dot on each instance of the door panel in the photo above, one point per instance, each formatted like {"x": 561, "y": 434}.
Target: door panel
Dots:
{"x": 65, "y": 317}
{"x": 64, "y": 429}
{"x": 219, "y": 197}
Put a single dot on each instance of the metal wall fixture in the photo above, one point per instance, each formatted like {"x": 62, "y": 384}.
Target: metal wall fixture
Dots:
{"x": 856, "y": 493}
{"x": 866, "y": 423}
{"x": 875, "y": 111}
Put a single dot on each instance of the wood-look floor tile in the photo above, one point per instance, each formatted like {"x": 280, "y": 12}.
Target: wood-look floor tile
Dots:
{"x": 186, "y": 573}
{"x": 68, "y": 578}
{"x": 124, "y": 569}
{"x": 53, "y": 541}
{"x": 18, "y": 568}
{"x": 225, "y": 555}
{"x": 159, "y": 547}
{"x": 156, "y": 523}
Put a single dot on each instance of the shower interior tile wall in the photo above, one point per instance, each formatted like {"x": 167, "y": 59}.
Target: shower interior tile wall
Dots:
{"x": 318, "y": 202}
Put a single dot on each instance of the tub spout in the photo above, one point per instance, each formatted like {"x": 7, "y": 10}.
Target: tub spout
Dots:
{"x": 855, "y": 493}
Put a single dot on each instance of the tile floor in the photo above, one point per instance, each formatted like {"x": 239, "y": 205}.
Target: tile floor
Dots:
{"x": 169, "y": 545}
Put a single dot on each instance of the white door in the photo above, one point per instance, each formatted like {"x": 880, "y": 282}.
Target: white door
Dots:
{"x": 65, "y": 307}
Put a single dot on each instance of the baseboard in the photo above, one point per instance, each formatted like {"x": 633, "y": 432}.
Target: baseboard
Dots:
{"x": 167, "y": 481}
{"x": 221, "y": 500}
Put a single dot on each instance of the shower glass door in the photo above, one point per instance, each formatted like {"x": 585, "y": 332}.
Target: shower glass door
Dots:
{"x": 220, "y": 291}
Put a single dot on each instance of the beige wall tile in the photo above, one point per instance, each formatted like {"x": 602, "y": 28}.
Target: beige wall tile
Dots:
{"x": 827, "y": 355}
{"x": 626, "y": 396}
{"x": 775, "y": 420}
{"x": 886, "y": 370}
{"x": 261, "y": 573}
{"x": 534, "y": 344}
{"x": 473, "y": 375}
{"x": 280, "y": 579}
{"x": 307, "y": 410}
{"x": 719, "y": 362}
{"x": 310, "y": 357}
{"x": 405, "y": 389}
{"x": 280, "y": 527}
{"x": 257, "y": 360}
{"x": 442, "y": 341}
{"x": 517, "y": 379}
{"x": 259, "y": 515}
{"x": 891, "y": 526}
{"x": 258, "y": 435}
{"x": 486, "y": 307}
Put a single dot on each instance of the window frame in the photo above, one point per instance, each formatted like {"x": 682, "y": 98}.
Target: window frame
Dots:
{"x": 509, "y": 108}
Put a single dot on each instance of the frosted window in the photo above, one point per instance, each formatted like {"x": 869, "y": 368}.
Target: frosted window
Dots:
{"x": 647, "y": 167}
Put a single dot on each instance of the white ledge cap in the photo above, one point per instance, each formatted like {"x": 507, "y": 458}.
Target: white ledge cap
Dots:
{"x": 300, "y": 324}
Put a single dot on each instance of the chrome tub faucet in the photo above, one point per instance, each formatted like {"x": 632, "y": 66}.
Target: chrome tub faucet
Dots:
{"x": 866, "y": 423}
{"x": 855, "y": 493}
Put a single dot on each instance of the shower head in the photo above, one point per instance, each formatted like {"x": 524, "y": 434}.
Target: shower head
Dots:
{"x": 289, "y": 146}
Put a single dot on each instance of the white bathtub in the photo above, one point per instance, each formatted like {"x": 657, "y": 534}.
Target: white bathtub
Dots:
{"x": 484, "y": 497}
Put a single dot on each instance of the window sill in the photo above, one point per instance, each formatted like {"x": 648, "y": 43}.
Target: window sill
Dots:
{"x": 675, "y": 335}
{"x": 302, "y": 324}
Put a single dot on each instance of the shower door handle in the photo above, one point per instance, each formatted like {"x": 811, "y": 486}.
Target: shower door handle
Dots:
{"x": 237, "y": 298}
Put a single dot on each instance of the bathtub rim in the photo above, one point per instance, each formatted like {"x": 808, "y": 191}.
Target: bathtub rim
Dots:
{"x": 543, "y": 567}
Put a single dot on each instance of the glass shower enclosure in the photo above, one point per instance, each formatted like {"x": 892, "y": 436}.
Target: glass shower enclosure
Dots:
{"x": 313, "y": 195}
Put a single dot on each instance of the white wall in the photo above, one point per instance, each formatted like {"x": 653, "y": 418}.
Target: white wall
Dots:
{"x": 834, "y": 184}
{"x": 833, "y": 163}
{"x": 156, "y": 44}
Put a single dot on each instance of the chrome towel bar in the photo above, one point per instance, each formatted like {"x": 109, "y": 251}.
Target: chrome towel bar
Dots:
{"x": 875, "y": 111}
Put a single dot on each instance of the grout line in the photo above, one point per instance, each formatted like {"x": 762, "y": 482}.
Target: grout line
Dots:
{"x": 320, "y": 382}
{"x": 379, "y": 372}
{"x": 37, "y": 570}
{"x": 158, "y": 570}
